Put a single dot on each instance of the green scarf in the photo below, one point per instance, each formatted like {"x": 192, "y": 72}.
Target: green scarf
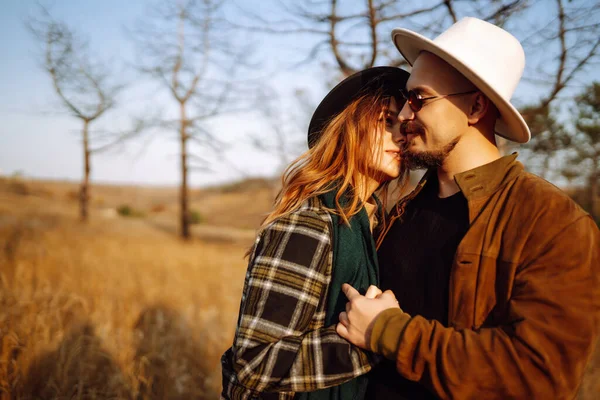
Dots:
{"x": 354, "y": 262}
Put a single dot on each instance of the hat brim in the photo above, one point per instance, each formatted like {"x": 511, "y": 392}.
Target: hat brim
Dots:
{"x": 510, "y": 125}
{"x": 338, "y": 98}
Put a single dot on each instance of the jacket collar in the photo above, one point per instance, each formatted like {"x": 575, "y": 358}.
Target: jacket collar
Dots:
{"x": 485, "y": 180}
{"x": 479, "y": 182}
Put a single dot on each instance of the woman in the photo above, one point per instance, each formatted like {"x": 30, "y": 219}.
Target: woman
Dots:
{"x": 318, "y": 237}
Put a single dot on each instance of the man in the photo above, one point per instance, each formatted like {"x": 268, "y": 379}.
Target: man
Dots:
{"x": 496, "y": 272}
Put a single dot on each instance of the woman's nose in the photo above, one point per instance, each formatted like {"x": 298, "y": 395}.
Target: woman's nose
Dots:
{"x": 398, "y": 137}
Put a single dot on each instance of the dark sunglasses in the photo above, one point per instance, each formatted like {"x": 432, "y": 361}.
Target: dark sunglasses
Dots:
{"x": 416, "y": 101}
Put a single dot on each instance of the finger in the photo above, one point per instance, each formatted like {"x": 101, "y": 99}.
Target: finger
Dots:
{"x": 350, "y": 292}
{"x": 344, "y": 319}
{"x": 342, "y": 331}
{"x": 372, "y": 292}
{"x": 388, "y": 295}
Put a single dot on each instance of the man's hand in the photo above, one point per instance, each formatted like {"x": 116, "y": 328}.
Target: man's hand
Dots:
{"x": 357, "y": 321}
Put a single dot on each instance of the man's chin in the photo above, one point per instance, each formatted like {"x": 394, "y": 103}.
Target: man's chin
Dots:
{"x": 427, "y": 159}
{"x": 422, "y": 160}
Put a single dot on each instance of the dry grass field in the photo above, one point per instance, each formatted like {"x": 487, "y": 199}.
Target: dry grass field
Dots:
{"x": 119, "y": 308}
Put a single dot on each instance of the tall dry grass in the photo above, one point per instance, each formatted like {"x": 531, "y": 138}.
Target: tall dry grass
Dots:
{"x": 112, "y": 309}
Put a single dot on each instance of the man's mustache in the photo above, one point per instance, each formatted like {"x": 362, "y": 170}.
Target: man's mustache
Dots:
{"x": 411, "y": 127}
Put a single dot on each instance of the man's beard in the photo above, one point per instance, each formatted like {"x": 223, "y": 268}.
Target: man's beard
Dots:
{"x": 424, "y": 159}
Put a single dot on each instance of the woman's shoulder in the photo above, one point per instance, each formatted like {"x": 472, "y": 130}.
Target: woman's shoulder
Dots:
{"x": 313, "y": 207}
{"x": 311, "y": 215}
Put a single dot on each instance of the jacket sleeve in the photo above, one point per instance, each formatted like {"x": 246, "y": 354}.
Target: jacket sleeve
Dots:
{"x": 280, "y": 344}
{"x": 541, "y": 354}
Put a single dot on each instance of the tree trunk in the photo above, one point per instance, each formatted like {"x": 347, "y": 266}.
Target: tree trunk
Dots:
{"x": 84, "y": 195}
{"x": 183, "y": 195}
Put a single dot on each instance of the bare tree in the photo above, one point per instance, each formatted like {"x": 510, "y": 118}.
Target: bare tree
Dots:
{"x": 565, "y": 47}
{"x": 568, "y": 45}
{"x": 185, "y": 46}
{"x": 86, "y": 87}
{"x": 354, "y": 35}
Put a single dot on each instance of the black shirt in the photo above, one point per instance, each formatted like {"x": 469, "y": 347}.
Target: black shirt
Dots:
{"x": 415, "y": 259}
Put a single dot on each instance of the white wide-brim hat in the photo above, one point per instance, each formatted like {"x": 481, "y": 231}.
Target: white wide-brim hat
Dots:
{"x": 488, "y": 56}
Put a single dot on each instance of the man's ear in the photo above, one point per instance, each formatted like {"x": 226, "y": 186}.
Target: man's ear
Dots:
{"x": 478, "y": 108}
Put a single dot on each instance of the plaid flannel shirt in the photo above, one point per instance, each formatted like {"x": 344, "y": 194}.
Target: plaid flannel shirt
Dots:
{"x": 281, "y": 345}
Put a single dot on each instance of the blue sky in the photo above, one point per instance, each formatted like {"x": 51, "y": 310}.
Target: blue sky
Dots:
{"x": 38, "y": 139}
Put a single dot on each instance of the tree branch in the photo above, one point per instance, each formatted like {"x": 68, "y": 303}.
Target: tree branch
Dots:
{"x": 344, "y": 67}
{"x": 373, "y": 33}
{"x": 448, "y": 4}
{"x": 412, "y": 13}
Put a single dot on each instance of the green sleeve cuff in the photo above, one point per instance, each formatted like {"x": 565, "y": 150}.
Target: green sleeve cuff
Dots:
{"x": 387, "y": 332}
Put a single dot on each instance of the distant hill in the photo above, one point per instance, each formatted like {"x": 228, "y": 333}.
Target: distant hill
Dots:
{"x": 241, "y": 204}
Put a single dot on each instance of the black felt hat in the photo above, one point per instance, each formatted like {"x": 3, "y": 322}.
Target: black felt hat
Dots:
{"x": 388, "y": 79}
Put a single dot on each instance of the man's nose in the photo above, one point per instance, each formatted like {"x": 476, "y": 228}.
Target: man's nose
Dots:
{"x": 406, "y": 113}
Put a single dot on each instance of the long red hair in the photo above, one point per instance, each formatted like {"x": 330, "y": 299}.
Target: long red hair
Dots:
{"x": 343, "y": 155}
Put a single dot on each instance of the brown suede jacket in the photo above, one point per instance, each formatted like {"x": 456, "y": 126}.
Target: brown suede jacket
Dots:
{"x": 524, "y": 306}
